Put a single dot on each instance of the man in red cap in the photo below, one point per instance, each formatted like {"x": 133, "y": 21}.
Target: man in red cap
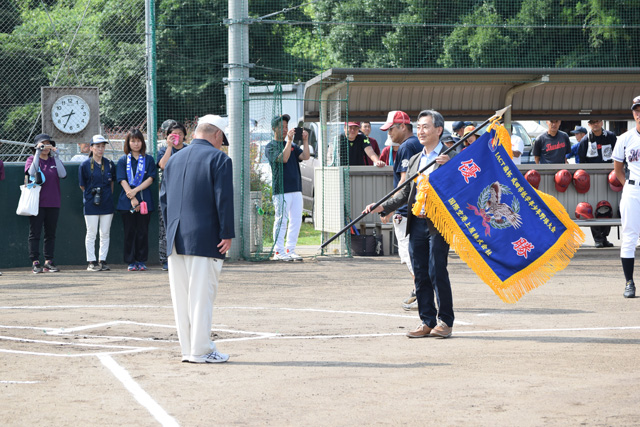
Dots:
{"x": 356, "y": 145}
{"x": 400, "y": 130}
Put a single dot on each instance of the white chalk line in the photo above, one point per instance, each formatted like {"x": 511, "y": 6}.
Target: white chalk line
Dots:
{"x": 253, "y": 335}
{"x": 138, "y": 392}
{"x": 65, "y": 343}
{"x": 19, "y": 382}
{"x": 311, "y": 310}
{"x": 104, "y": 353}
{"x": 48, "y": 307}
{"x": 510, "y": 331}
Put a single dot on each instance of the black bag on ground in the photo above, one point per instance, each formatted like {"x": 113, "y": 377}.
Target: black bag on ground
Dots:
{"x": 366, "y": 245}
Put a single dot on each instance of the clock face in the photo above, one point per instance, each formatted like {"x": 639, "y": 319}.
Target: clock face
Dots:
{"x": 70, "y": 114}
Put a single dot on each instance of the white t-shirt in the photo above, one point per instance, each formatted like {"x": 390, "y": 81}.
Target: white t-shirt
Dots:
{"x": 628, "y": 145}
{"x": 517, "y": 144}
{"x": 79, "y": 158}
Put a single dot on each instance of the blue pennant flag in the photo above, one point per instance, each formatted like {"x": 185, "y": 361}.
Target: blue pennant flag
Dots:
{"x": 513, "y": 236}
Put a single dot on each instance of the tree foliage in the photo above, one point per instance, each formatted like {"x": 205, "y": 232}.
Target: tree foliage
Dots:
{"x": 287, "y": 43}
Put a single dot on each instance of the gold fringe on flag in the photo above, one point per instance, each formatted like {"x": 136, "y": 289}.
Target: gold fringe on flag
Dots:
{"x": 502, "y": 136}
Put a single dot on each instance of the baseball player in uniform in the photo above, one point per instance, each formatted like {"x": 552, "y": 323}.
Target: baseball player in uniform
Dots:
{"x": 627, "y": 150}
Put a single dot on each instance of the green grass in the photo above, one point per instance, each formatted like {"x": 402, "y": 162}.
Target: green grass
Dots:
{"x": 308, "y": 236}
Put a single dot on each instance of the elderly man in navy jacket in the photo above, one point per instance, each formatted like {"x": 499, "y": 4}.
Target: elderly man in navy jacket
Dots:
{"x": 197, "y": 206}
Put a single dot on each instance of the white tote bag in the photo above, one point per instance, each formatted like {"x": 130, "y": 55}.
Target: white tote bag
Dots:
{"x": 29, "y": 200}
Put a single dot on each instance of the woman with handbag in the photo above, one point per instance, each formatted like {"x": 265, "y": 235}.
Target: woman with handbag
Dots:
{"x": 136, "y": 171}
{"x": 46, "y": 169}
{"x": 96, "y": 176}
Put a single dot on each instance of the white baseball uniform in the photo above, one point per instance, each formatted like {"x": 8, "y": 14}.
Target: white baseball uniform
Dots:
{"x": 628, "y": 148}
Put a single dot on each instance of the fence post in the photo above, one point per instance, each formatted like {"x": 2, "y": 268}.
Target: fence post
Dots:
{"x": 150, "y": 40}
{"x": 238, "y": 112}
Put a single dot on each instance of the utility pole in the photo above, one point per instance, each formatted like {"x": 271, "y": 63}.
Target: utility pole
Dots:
{"x": 238, "y": 112}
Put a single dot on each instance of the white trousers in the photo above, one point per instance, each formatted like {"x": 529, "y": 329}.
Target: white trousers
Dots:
{"x": 194, "y": 286}
{"x": 288, "y": 209}
{"x": 400, "y": 228}
{"x": 630, "y": 213}
{"x": 94, "y": 222}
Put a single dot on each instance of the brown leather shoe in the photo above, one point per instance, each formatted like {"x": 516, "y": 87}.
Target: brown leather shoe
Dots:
{"x": 441, "y": 330}
{"x": 421, "y": 331}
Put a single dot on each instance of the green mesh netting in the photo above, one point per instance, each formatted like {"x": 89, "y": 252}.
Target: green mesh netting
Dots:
{"x": 101, "y": 43}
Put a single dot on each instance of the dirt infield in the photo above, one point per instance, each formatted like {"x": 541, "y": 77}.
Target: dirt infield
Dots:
{"x": 320, "y": 343}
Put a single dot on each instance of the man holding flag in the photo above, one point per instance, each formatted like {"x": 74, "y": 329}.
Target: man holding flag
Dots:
{"x": 427, "y": 248}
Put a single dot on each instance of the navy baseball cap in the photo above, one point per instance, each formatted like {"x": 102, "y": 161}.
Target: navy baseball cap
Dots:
{"x": 636, "y": 102}
{"x": 277, "y": 119}
{"x": 457, "y": 125}
{"x": 578, "y": 129}
{"x": 43, "y": 137}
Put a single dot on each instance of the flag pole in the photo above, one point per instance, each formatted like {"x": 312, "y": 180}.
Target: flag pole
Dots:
{"x": 496, "y": 116}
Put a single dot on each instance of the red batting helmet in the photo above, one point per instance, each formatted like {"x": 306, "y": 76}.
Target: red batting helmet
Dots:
{"x": 604, "y": 209}
{"x": 562, "y": 179}
{"x": 581, "y": 181}
{"x": 533, "y": 177}
{"x": 584, "y": 211}
{"x": 614, "y": 183}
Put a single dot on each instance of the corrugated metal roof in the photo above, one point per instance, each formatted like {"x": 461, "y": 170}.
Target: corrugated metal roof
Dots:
{"x": 474, "y": 94}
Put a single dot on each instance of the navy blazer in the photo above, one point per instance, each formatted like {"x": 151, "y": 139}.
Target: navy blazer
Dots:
{"x": 196, "y": 197}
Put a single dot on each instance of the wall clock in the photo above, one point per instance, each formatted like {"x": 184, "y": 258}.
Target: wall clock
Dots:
{"x": 70, "y": 114}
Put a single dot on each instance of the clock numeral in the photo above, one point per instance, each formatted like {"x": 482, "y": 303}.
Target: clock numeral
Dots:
{"x": 60, "y": 121}
{"x": 82, "y": 120}
{"x": 59, "y": 108}
{"x": 56, "y": 114}
{"x": 82, "y": 107}
{"x": 84, "y": 114}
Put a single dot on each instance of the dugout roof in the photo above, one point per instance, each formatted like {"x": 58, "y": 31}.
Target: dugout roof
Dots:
{"x": 475, "y": 94}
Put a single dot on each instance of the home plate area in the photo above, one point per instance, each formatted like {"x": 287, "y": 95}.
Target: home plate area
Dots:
{"x": 117, "y": 337}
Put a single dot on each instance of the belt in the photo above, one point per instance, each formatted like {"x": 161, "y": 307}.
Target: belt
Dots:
{"x": 632, "y": 182}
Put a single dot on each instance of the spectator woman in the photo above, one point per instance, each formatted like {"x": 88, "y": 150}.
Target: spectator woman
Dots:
{"x": 136, "y": 171}
{"x": 46, "y": 169}
{"x": 176, "y": 133}
{"x": 96, "y": 176}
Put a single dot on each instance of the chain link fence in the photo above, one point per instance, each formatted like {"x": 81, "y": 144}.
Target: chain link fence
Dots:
{"x": 101, "y": 43}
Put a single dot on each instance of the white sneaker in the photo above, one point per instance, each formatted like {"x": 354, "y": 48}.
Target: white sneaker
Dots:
{"x": 293, "y": 255}
{"x": 213, "y": 357}
{"x": 281, "y": 257}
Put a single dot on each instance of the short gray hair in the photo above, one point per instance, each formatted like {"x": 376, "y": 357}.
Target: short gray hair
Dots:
{"x": 438, "y": 120}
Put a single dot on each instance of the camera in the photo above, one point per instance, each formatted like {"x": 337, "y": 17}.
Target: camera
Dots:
{"x": 97, "y": 195}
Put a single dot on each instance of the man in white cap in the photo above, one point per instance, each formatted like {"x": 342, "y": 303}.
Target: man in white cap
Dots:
{"x": 197, "y": 206}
